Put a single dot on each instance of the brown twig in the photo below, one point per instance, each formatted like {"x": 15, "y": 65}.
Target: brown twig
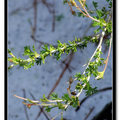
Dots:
{"x": 42, "y": 43}
{"x": 84, "y": 99}
{"x": 24, "y": 95}
{"x": 91, "y": 110}
{"x": 70, "y": 7}
{"x": 61, "y": 75}
{"x": 69, "y": 68}
{"x": 76, "y": 7}
{"x": 87, "y": 14}
{"x": 48, "y": 5}
{"x": 35, "y": 19}
{"x": 66, "y": 67}
{"x": 19, "y": 9}
{"x": 53, "y": 21}
{"x": 51, "y": 10}
{"x": 24, "y": 8}
{"x": 108, "y": 54}
{"x": 58, "y": 81}
{"x": 64, "y": 62}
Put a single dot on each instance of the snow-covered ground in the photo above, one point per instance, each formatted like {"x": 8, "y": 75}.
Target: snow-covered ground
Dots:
{"x": 39, "y": 80}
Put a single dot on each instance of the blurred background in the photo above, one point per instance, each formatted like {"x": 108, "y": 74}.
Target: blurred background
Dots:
{"x": 39, "y": 22}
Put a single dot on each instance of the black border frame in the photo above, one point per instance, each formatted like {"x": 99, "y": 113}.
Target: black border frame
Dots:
{"x": 5, "y": 58}
{"x": 114, "y": 60}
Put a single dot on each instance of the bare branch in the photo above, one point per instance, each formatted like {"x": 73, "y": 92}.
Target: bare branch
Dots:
{"x": 24, "y": 95}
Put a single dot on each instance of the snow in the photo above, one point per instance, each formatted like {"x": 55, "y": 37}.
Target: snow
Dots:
{"x": 39, "y": 80}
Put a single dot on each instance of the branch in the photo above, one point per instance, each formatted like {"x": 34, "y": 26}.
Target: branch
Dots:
{"x": 41, "y": 42}
{"x": 91, "y": 110}
{"x": 98, "y": 47}
{"x": 27, "y": 117}
{"x": 99, "y": 91}
{"x": 25, "y": 99}
{"x": 47, "y": 117}
{"x": 36, "y": 102}
{"x": 58, "y": 80}
{"x": 18, "y": 61}
{"x": 61, "y": 75}
{"x": 108, "y": 53}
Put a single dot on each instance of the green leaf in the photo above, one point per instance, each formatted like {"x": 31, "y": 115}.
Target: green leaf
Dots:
{"x": 33, "y": 48}
{"x": 64, "y": 1}
{"x": 44, "y": 99}
{"x": 38, "y": 61}
{"x": 95, "y": 4}
{"x": 99, "y": 13}
{"x": 100, "y": 75}
{"x": 59, "y": 17}
{"x": 54, "y": 96}
{"x": 60, "y": 105}
{"x": 66, "y": 98}
{"x": 74, "y": 101}
{"x": 48, "y": 109}
{"x": 78, "y": 87}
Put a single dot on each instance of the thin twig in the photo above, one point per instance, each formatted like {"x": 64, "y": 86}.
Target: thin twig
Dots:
{"x": 35, "y": 19}
{"x": 36, "y": 102}
{"x": 108, "y": 53}
{"x": 51, "y": 10}
{"x": 41, "y": 42}
{"x": 69, "y": 68}
{"x": 21, "y": 8}
{"x": 58, "y": 80}
{"x": 47, "y": 117}
{"x": 24, "y": 95}
{"x": 87, "y": 12}
{"x": 61, "y": 75}
{"x": 91, "y": 110}
{"x": 35, "y": 14}
{"x": 53, "y": 21}
{"x": 25, "y": 99}
{"x": 98, "y": 47}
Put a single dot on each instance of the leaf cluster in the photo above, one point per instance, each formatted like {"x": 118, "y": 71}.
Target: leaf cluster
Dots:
{"x": 46, "y": 50}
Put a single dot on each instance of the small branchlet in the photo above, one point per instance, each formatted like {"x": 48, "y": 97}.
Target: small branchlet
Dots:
{"x": 34, "y": 57}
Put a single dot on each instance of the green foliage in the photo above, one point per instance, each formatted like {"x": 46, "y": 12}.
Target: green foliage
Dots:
{"x": 48, "y": 109}
{"x": 107, "y": 42}
{"x": 109, "y": 27}
{"x": 64, "y": 1}
{"x": 79, "y": 14}
{"x": 95, "y": 4}
{"x": 92, "y": 69}
{"x": 90, "y": 90}
{"x": 59, "y": 17}
{"x": 34, "y": 57}
{"x": 66, "y": 98}
{"x": 44, "y": 99}
{"x": 54, "y": 96}
{"x": 101, "y": 21}
{"x": 74, "y": 101}
{"x": 78, "y": 87}
{"x": 100, "y": 75}
{"x": 110, "y": 3}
